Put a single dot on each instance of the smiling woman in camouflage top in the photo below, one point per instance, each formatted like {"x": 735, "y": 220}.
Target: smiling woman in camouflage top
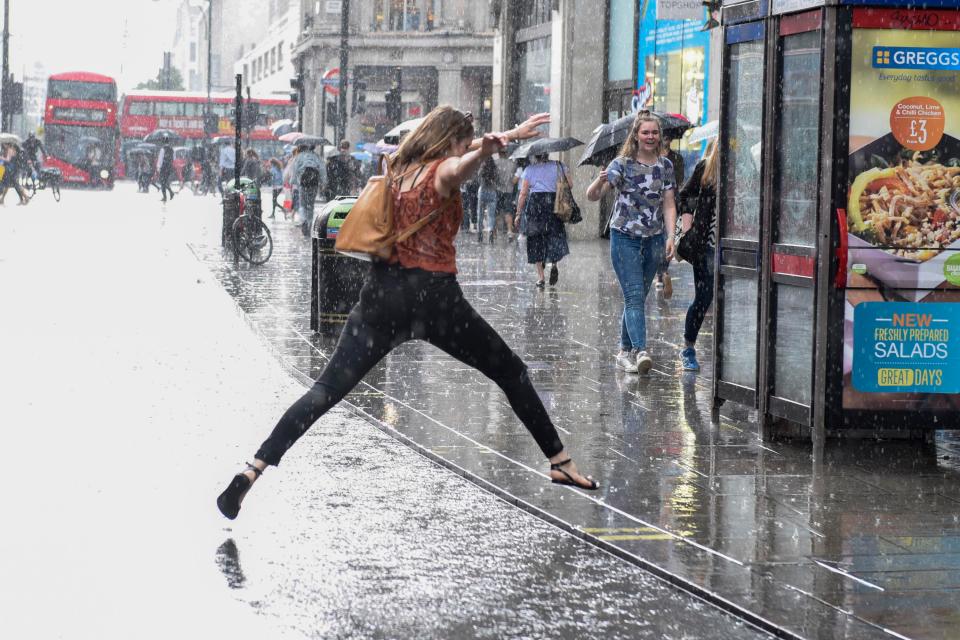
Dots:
{"x": 645, "y": 207}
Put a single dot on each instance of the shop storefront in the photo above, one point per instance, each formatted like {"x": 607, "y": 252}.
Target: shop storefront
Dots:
{"x": 673, "y": 68}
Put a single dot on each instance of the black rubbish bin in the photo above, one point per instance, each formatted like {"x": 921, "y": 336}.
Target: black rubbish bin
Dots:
{"x": 231, "y": 211}
{"x": 337, "y": 279}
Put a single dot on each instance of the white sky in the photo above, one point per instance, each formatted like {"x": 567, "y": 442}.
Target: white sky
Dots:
{"x": 88, "y": 35}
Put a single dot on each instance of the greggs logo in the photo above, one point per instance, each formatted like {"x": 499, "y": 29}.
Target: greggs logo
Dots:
{"x": 916, "y": 58}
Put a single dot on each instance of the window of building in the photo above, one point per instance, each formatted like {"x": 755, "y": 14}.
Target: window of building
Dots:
{"x": 403, "y": 15}
{"x": 533, "y": 81}
{"x": 280, "y": 55}
{"x": 193, "y": 52}
{"x": 273, "y": 60}
{"x": 531, "y": 13}
{"x": 622, "y": 50}
{"x": 246, "y": 73}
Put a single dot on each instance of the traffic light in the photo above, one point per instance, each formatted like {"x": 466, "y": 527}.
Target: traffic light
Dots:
{"x": 333, "y": 114}
{"x": 15, "y": 100}
{"x": 393, "y": 100}
{"x": 296, "y": 84}
{"x": 359, "y": 97}
{"x": 251, "y": 113}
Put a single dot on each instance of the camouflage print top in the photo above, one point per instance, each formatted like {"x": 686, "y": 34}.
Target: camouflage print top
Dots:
{"x": 639, "y": 207}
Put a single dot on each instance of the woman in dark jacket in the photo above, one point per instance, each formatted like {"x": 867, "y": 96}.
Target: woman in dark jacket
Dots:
{"x": 698, "y": 204}
{"x": 251, "y": 166}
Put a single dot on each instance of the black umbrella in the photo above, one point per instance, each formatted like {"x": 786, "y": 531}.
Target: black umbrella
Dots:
{"x": 541, "y": 146}
{"x": 160, "y": 134}
{"x": 311, "y": 141}
{"x": 601, "y": 148}
{"x": 149, "y": 147}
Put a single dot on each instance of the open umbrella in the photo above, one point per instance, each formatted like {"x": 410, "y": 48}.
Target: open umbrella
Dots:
{"x": 281, "y": 127}
{"x": 222, "y": 140}
{"x": 310, "y": 141}
{"x": 148, "y": 147}
{"x": 601, "y": 148}
{"x": 9, "y": 138}
{"x": 541, "y": 146}
{"x": 704, "y": 132}
{"x": 290, "y": 137}
{"x": 393, "y": 136}
{"x": 160, "y": 134}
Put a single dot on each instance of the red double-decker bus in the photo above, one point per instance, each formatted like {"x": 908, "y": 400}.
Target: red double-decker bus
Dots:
{"x": 143, "y": 112}
{"x": 80, "y": 127}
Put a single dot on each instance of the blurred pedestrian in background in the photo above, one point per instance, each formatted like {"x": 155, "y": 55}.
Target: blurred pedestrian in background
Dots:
{"x": 343, "y": 173}
{"x": 546, "y": 236}
{"x": 165, "y": 169}
{"x": 309, "y": 174}
{"x": 641, "y": 229}
{"x": 11, "y": 174}
{"x": 227, "y": 163}
{"x": 487, "y": 200}
{"x": 251, "y": 166}
{"x": 664, "y": 282}
{"x": 276, "y": 184}
{"x": 506, "y": 186}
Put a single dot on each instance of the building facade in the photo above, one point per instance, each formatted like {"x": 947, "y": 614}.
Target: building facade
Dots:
{"x": 267, "y": 67}
{"x": 189, "y": 44}
{"x": 433, "y": 51}
{"x": 587, "y": 63}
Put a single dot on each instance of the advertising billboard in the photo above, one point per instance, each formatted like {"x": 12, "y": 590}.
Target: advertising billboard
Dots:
{"x": 902, "y": 306}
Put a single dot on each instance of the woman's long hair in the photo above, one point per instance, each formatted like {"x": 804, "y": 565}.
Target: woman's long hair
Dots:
{"x": 710, "y": 164}
{"x": 432, "y": 139}
{"x": 630, "y": 145}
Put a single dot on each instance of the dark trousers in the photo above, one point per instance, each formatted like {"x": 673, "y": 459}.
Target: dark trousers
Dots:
{"x": 165, "y": 185}
{"x": 397, "y": 305}
{"x": 702, "y": 295}
{"x": 276, "y": 203}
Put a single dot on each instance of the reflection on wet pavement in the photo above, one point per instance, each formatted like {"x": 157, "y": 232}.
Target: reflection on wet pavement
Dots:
{"x": 867, "y": 542}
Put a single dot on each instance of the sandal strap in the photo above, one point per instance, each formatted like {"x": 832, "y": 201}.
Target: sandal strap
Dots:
{"x": 556, "y": 465}
{"x": 256, "y": 472}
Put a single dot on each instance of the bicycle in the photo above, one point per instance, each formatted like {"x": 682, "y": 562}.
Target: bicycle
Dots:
{"x": 46, "y": 177}
{"x": 250, "y": 237}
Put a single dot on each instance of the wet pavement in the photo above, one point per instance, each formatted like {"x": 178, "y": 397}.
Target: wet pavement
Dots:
{"x": 132, "y": 388}
{"x": 865, "y": 545}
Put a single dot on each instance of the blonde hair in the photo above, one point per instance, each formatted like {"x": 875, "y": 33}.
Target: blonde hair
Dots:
{"x": 630, "y": 145}
{"x": 710, "y": 157}
{"x": 432, "y": 139}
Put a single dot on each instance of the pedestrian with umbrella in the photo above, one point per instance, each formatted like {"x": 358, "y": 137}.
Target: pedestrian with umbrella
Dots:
{"x": 545, "y": 233}
{"x": 165, "y": 169}
{"x": 641, "y": 229}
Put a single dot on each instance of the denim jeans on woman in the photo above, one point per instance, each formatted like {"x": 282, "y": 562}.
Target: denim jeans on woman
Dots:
{"x": 487, "y": 209}
{"x": 702, "y": 295}
{"x": 635, "y": 261}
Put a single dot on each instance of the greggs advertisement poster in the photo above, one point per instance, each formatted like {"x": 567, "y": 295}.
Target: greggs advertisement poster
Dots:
{"x": 902, "y": 311}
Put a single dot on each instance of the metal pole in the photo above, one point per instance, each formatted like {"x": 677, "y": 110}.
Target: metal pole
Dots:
{"x": 238, "y": 105}
{"x": 206, "y": 113}
{"x": 344, "y": 72}
{"x": 301, "y": 98}
{"x": 5, "y": 72}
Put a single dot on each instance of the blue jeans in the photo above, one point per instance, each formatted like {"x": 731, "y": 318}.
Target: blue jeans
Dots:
{"x": 635, "y": 261}
{"x": 487, "y": 209}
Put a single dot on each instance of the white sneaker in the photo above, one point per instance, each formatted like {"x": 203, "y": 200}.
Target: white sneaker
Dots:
{"x": 644, "y": 362}
{"x": 626, "y": 361}
{"x": 473, "y": 228}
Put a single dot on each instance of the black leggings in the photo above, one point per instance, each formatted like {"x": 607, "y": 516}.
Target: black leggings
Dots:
{"x": 397, "y": 305}
{"x": 702, "y": 295}
{"x": 276, "y": 196}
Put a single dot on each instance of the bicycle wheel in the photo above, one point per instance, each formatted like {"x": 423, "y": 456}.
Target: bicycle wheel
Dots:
{"x": 252, "y": 240}
{"x": 55, "y": 190}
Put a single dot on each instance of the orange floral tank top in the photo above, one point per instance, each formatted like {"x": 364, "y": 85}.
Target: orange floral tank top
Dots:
{"x": 431, "y": 248}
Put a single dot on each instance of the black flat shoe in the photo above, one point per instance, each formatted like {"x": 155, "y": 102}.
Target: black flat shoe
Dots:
{"x": 540, "y": 284}
{"x": 594, "y": 485}
{"x": 229, "y": 501}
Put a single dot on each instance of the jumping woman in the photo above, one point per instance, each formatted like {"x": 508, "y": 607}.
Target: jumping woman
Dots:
{"x": 415, "y": 295}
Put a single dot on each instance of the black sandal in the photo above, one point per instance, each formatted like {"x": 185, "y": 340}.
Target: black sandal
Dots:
{"x": 229, "y": 501}
{"x": 570, "y": 481}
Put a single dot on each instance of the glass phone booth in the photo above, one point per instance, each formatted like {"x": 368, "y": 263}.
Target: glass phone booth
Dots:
{"x": 838, "y": 226}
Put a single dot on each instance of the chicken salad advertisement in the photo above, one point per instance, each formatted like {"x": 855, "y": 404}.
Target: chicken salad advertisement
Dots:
{"x": 902, "y": 312}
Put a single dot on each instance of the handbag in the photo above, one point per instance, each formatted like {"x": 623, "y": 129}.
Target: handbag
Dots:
{"x": 564, "y": 206}
{"x": 368, "y": 230}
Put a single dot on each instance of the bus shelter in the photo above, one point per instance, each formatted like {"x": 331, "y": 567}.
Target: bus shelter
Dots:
{"x": 838, "y": 226}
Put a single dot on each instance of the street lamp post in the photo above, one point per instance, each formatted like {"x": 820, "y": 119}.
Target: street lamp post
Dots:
{"x": 5, "y": 81}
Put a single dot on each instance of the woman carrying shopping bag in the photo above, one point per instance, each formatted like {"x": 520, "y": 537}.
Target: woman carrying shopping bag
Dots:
{"x": 641, "y": 229}
{"x": 415, "y": 295}
{"x": 546, "y": 236}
